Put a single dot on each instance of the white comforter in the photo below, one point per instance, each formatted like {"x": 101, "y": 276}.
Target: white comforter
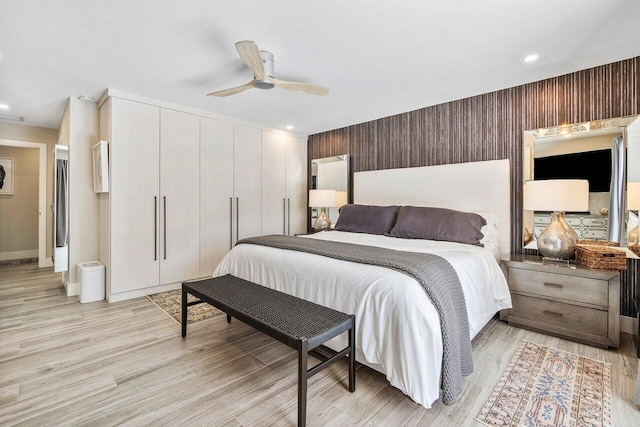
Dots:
{"x": 398, "y": 329}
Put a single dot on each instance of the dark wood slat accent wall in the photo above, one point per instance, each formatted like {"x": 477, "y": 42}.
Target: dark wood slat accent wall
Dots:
{"x": 489, "y": 127}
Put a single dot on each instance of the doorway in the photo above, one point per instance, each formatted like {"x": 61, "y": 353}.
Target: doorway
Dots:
{"x": 43, "y": 261}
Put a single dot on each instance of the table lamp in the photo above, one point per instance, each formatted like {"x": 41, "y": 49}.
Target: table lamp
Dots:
{"x": 322, "y": 199}
{"x": 341, "y": 199}
{"x": 633, "y": 196}
{"x": 558, "y": 241}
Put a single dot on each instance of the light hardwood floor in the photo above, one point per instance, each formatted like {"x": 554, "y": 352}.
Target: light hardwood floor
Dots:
{"x": 100, "y": 364}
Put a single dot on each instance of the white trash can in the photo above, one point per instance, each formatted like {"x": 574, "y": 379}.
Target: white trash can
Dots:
{"x": 91, "y": 279}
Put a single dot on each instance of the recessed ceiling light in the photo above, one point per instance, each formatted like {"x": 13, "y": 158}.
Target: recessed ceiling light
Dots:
{"x": 531, "y": 58}
{"x": 4, "y": 107}
{"x": 289, "y": 127}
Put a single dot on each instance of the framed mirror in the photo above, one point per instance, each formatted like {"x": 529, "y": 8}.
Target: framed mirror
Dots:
{"x": 604, "y": 152}
{"x": 331, "y": 173}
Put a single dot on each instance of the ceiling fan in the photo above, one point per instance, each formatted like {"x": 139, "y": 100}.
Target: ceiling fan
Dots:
{"x": 261, "y": 63}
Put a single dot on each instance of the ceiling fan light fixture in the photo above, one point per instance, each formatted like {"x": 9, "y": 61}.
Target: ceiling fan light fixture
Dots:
{"x": 261, "y": 63}
{"x": 263, "y": 84}
{"x": 268, "y": 63}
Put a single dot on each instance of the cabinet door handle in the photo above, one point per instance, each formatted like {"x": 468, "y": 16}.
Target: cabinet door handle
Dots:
{"x": 553, "y": 285}
{"x": 230, "y": 222}
{"x": 552, "y": 313}
{"x": 155, "y": 228}
{"x": 284, "y": 216}
{"x": 237, "y": 220}
{"x": 165, "y": 227}
{"x": 289, "y": 216}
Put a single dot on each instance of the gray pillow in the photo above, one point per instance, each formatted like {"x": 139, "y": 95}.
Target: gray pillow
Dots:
{"x": 367, "y": 219}
{"x": 438, "y": 224}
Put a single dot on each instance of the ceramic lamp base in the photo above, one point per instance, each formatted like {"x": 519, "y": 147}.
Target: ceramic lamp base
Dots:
{"x": 322, "y": 222}
{"x": 558, "y": 240}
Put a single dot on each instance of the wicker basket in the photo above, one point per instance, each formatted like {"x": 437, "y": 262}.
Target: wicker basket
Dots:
{"x": 597, "y": 242}
{"x": 635, "y": 248}
{"x": 604, "y": 257}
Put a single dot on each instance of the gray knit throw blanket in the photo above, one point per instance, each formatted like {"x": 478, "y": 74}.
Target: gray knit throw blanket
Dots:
{"x": 439, "y": 280}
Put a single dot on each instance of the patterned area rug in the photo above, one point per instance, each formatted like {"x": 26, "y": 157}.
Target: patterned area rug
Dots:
{"x": 544, "y": 386}
{"x": 171, "y": 303}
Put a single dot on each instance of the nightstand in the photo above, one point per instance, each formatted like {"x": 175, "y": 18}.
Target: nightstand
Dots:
{"x": 577, "y": 303}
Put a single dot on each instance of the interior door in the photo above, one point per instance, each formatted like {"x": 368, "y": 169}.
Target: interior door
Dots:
{"x": 247, "y": 187}
{"x": 216, "y": 192}
{"x": 180, "y": 196}
{"x": 274, "y": 202}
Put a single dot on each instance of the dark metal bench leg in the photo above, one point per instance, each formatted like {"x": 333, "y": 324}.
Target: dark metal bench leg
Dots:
{"x": 184, "y": 313}
{"x": 228, "y": 319}
{"x": 352, "y": 355}
{"x": 302, "y": 383}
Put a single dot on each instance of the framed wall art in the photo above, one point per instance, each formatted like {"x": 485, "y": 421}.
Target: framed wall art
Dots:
{"x": 100, "y": 167}
{"x": 6, "y": 176}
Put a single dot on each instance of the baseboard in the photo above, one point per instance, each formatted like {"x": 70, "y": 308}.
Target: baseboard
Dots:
{"x": 73, "y": 289}
{"x": 4, "y": 256}
{"x": 629, "y": 325}
{"x": 121, "y": 296}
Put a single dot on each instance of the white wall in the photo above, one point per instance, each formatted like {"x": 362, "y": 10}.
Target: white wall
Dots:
{"x": 79, "y": 131}
{"x": 18, "y": 132}
{"x": 19, "y": 211}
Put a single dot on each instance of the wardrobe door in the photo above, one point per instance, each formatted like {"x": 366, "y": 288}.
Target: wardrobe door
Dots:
{"x": 274, "y": 202}
{"x": 180, "y": 196}
{"x": 296, "y": 185}
{"x": 216, "y": 192}
{"x": 247, "y": 186}
{"x": 134, "y": 173}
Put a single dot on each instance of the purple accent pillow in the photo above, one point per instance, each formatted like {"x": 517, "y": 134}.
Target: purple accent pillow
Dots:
{"x": 438, "y": 224}
{"x": 367, "y": 219}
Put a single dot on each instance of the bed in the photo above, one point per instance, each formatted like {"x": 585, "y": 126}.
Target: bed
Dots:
{"x": 398, "y": 328}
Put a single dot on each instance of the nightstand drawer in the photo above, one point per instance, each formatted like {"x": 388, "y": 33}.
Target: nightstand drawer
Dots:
{"x": 580, "y": 319}
{"x": 572, "y": 288}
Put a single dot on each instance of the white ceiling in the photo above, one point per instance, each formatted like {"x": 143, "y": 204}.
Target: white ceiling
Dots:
{"x": 379, "y": 58}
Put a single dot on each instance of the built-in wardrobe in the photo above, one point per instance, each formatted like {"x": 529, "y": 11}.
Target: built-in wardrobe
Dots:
{"x": 185, "y": 187}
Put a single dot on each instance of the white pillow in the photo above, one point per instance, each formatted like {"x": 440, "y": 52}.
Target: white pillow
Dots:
{"x": 490, "y": 231}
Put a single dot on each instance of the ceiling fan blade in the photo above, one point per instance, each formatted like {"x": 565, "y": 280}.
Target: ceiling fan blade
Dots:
{"x": 302, "y": 87}
{"x": 250, "y": 54}
{"x": 233, "y": 90}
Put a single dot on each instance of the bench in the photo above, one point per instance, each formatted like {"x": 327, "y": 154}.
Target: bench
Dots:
{"x": 300, "y": 324}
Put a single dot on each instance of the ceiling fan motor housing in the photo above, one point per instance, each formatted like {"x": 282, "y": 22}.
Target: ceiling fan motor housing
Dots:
{"x": 268, "y": 63}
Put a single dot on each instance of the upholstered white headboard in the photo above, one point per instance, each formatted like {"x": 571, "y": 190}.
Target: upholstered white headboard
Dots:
{"x": 475, "y": 186}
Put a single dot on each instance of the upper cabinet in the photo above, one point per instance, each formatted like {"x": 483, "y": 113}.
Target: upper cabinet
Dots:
{"x": 284, "y": 184}
{"x": 180, "y": 196}
{"x": 216, "y": 192}
{"x": 154, "y": 202}
{"x": 247, "y": 186}
{"x": 296, "y": 185}
{"x": 185, "y": 188}
{"x": 133, "y": 198}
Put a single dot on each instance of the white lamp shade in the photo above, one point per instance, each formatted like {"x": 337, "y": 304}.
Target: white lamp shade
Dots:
{"x": 633, "y": 195}
{"x": 322, "y": 198}
{"x": 560, "y": 195}
{"x": 341, "y": 199}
